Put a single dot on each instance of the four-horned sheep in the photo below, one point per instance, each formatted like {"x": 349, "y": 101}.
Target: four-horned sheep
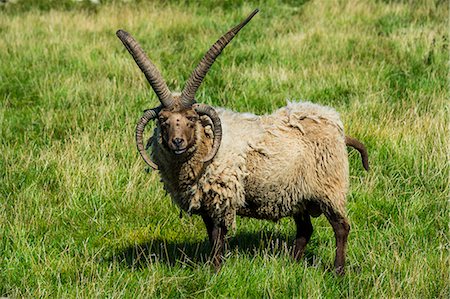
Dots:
{"x": 218, "y": 164}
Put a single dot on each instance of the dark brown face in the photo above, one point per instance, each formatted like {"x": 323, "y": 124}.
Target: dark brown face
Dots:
{"x": 178, "y": 129}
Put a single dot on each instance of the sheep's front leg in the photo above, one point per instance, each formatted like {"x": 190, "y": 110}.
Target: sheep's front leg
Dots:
{"x": 209, "y": 227}
{"x": 304, "y": 232}
{"x": 341, "y": 229}
{"x": 218, "y": 237}
{"x": 216, "y": 234}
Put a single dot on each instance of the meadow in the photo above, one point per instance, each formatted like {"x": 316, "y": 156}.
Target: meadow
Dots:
{"x": 81, "y": 217}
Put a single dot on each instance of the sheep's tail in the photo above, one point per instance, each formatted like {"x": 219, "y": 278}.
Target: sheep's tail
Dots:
{"x": 355, "y": 143}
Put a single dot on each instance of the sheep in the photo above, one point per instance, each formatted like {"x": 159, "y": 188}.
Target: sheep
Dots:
{"x": 218, "y": 164}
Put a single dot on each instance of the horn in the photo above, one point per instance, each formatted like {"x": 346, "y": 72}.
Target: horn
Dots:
{"x": 203, "y": 109}
{"x": 149, "y": 115}
{"x": 148, "y": 68}
{"x": 197, "y": 76}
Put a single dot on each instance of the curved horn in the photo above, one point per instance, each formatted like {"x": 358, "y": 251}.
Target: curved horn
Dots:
{"x": 148, "y": 68}
{"x": 149, "y": 115}
{"x": 187, "y": 96}
{"x": 203, "y": 109}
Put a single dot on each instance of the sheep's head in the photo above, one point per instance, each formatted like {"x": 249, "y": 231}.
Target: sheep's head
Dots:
{"x": 178, "y": 127}
{"x": 178, "y": 114}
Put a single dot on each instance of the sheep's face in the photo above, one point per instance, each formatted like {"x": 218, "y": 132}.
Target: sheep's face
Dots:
{"x": 178, "y": 129}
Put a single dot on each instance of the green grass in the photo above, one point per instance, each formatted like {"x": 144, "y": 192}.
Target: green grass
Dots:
{"x": 79, "y": 216}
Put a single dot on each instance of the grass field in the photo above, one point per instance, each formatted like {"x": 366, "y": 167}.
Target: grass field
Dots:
{"x": 80, "y": 217}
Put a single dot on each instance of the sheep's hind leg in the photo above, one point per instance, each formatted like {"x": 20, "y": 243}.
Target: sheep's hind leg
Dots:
{"x": 216, "y": 234}
{"x": 304, "y": 232}
{"x": 341, "y": 229}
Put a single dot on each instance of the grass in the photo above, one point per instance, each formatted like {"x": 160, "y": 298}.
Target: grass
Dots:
{"x": 79, "y": 216}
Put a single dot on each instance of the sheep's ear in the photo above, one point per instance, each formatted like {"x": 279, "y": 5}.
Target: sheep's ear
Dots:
{"x": 207, "y": 123}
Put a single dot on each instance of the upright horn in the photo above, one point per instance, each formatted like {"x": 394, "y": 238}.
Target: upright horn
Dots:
{"x": 148, "y": 68}
{"x": 197, "y": 76}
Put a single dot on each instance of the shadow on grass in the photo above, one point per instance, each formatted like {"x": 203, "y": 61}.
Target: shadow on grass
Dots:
{"x": 193, "y": 253}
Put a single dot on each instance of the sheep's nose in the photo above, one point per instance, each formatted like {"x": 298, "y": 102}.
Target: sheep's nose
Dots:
{"x": 177, "y": 142}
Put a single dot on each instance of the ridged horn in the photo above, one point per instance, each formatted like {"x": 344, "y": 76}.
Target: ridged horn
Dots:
{"x": 149, "y": 115}
{"x": 203, "y": 109}
{"x": 150, "y": 71}
{"x": 197, "y": 76}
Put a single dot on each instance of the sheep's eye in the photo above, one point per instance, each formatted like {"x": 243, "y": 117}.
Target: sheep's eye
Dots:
{"x": 163, "y": 123}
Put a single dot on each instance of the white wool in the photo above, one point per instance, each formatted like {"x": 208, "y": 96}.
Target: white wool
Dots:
{"x": 239, "y": 131}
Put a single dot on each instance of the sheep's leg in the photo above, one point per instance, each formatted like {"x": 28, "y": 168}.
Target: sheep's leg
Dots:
{"x": 218, "y": 236}
{"x": 304, "y": 232}
{"x": 341, "y": 229}
{"x": 209, "y": 227}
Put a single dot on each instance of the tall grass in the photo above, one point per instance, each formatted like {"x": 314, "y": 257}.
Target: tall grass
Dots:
{"x": 79, "y": 216}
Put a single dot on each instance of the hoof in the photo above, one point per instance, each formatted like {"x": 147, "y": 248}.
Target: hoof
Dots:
{"x": 340, "y": 271}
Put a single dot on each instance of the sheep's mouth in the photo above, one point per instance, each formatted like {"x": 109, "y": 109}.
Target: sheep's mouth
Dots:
{"x": 180, "y": 151}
